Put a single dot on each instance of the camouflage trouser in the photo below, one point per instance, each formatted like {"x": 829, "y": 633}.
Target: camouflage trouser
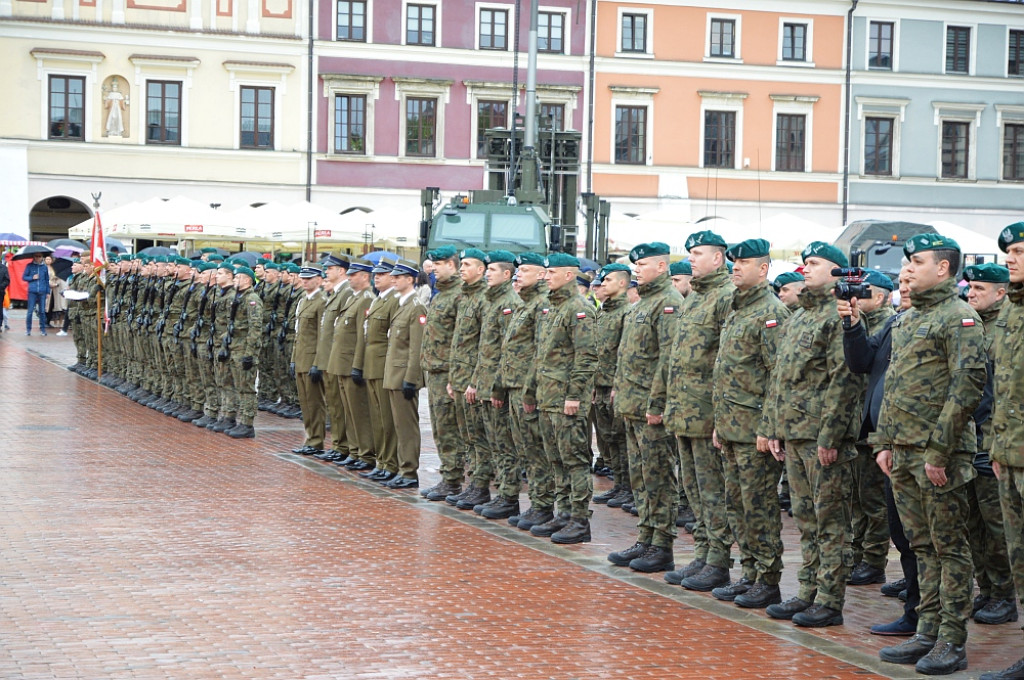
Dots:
{"x": 505, "y": 469}
{"x": 530, "y": 448}
{"x": 691, "y": 491}
{"x": 194, "y": 390}
{"x": 1011, "y": 496}
{"x": 445, "y": 428}
{"x": 652, "y": 473}
{"x": 208, "y": 371}
{"x": 288, "y": 386}
{"x": 473, "y": 437}
{"x": 245, "y": 390}
{"x": 611, "y": 436}
{"x": 357, "y": 412}
{"x": 482, "y": 472}
{"x": 821, "y": 508}
{"x": 988, "y": 540}
{"x": 935, "y": 520}
{"x": 174, "y": 369}
{"x": 567, "y": 445}
{"x": 750, "y": 487}
{"x": 89, "y": 338}
{"x": 869, "y": 529}
{"x": 270, "y": 369}
{"x": 78, "y": 335}
{"x": 699, "y": 457}
{"x": 228, "y": 392}
{"x": 336, "y": 412}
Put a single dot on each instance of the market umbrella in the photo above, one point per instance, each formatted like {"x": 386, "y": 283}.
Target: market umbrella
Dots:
{"x": 153, "y": 250}
{"x": 376, "y": 255}
{"x": 67, "y": 243}
{"x": 8, "y": 236}
{"x": 28, "y": 252}
{"x": 112, "y": 244}
{"x": 62, "y": 267}
{"x": 248, "y": 256}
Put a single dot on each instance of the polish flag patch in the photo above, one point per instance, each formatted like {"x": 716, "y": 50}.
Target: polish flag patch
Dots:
{"x": 544, "y": 311}
{"x": 423, "y": 319}
{"x": 581, "y": 315}
{"x": 966, "y": 322}
{"x": 670, "y": 310}
{"x": 367, "y": 312}
{"x": 506, "y": 311}
{"x": 771, "y": 323}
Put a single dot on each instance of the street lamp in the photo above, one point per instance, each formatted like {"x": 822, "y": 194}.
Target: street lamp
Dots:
{"x": 368, "y": 238}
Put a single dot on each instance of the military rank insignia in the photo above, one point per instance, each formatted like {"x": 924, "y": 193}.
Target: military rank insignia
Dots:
{"x": 771, "y": 323}
{"x": 966, "y": 322}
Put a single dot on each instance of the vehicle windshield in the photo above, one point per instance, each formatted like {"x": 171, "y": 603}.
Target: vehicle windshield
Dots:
{"x": 461, "y": 228}
{"x": 523, "y": 231}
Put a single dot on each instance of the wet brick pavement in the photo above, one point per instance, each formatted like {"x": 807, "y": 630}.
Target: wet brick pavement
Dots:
{"x": 134, "y": 546}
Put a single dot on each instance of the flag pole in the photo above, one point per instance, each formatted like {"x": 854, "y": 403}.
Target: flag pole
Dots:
{"x": 99, "y": 333}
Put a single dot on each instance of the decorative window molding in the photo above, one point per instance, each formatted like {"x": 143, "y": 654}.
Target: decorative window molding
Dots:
{"x": 808, "y": 47}
{"x": 794, "y": 104}
{"x": 958, "y": 112}
{"x": 722, "y": 101}
{"x": 58, "y": 62}
{"x": 972, "y": 47}
{"x": 422, "y": 87}
{"x": 342, "y": 84}
{"x": 737, "y": 38}
{"x": 633, "y": 95}
{"x": 159, "y": 67}
{"x": 648, "y": 51}
{"x": 894, "y": 56}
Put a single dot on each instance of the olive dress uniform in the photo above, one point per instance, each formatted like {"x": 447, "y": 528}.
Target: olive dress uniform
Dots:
{"x": 334, "y": 300}
{"x": 310, "y": 394}
{"x": 369, "y": 359}
{"x": 347, "y": 330}
{"x": 403, "y": 378}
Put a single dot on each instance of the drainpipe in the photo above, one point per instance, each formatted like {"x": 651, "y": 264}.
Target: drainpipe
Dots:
{"x": 309, "y": 105}
{"x": 590, "y": 96}
{"x": 846, "y": 140}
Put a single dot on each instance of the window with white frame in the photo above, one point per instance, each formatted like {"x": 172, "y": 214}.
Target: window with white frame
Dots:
{"x": 723, "y": 34}
{"x": 66, "y": 96}
{"x": 352, "y": 101}
{"x": 792, "y": 134}
{"x": 635, "y": 32}
{"x": 256, "y": 117}
{"x": 553, "y": 114}
{"x": 551, "y": 32}
{"x": 959, "y": 50}
{"x": 492, "y": 28}
{"x": 421, "y": 121}
{"x": 352, "y": 20}
{"x": 632, "y": 113}
{"x": 421, "y": 22}
{"x": 1015, "y": 53}
{"x": 795, "y": 42}
{"x": 490, "y": 113}
{"x": 957, "y": 124}
{"x": 66, "y": 85}
{"x": 721, "y": 133}
{"x": 880, "y": 119}
{"x": 881, "y": 45}
{"x": 1010, "y": 120}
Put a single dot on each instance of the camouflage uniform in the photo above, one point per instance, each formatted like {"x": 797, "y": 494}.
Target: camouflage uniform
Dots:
{"x": 565, "y": 359}
{"x": 462, "y": 360}
{"x": 270, "y": 377}
{"x": 434, "y": 358}
{"x": 934, "y": 382}
{"x": 741, "y": 379}
{"x": 812, "y": 407}
{"x": 518, "y": 350}
{"x": 75, "y": 315}
{"x": 648, "y": 330}
{"x": 869, "y": 527}
{"x": 500, "y": 463}
{"x": 611, "y": 430}
{"x": 1008, "y": 425}
{"x": 193, "y": 397}
{"x": 246, "y": 340}
{"x": 174, "y": 359}
{"x": 690, "y": 416}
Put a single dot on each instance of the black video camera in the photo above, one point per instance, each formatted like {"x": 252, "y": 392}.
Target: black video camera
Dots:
{"x": 852, "y": 284}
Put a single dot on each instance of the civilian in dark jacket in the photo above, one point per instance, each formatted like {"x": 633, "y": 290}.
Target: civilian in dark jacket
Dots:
{"x": 5, "y": 281}
{"x": 37, "y": 275}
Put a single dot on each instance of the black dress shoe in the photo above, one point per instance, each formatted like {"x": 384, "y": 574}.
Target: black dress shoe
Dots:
{"x": 371, "y": 474}
{"x": 818, "y": 616}
{"x": 1014, "y": 672}
{"x": 346, "y": 462}
{"x": 945, "y": 658}
{"x": 360, "y": 466}
{"x": 864, "y": 575}
{"x": 400, "y": 482}
{"x": 305, "y": 450}
{"x": 655, "y": 558}
{"x": 909, "y": 651}
{"x": 386, "y": 477}
{"x": 622, "y": 558}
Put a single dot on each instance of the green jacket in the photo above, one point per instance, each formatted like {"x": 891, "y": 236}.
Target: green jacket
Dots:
{"x": 566, "y": 354}
{"x": 816, "y": 396}
{"x": 519, "y": 346}
{"x": 935, "y": 377}
{"x": 876, "y": 319}
{"x": 437, "y": 334}
{"x": 1007, "y": 349}
{"x": 648, "y": 331}
{"x": 500, "y": 303}
{"x": 686, "y": 379}
{"x": 742, "y": 376}
{"x": 247, "y": 335}
{"x": 465, "y": 347}
{"x": 608, "y": 333}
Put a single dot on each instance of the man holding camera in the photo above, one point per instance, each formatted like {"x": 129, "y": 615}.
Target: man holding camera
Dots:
{"x": 926, "y": 439}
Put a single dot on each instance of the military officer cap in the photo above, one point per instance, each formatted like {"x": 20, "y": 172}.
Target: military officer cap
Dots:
{"x": 442, "y": 253}
{"x": 825, "y": 251}
{"x": 556, "y": 260}
{"x": 681, "y": 268}
{"x": 752, "y": 247}
{"x": 332, "y": 260}
{"x": 705, "y": 238}
{"x": 360, "y": 266}
{"x": 215, "y": 257}
{"x": 228, "y": 266}
{"x": 923, "y": 242}
{"x": 405, "y": 269}
{"x": 643, "y": 250}
{"x": 535, "y": 259}
{"x": 879, "y": 280}
{"x": 786, "y": 278}
{"x": 500, "y": 256}
{"x": 990, "y": 272}
{"x": 1010, "y": 235}
{"x": 245, "y": 270}
{"x": 384, "y": 265}
{"x": 309, "y": 272}
{"x": 474, "y": 253}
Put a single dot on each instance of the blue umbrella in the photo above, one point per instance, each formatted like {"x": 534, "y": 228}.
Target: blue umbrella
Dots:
{"x": 154, "y": 250}
{"x": 112, "y": 244}
{"x": 8, "y": 236}
{"x": 376, "y": 255}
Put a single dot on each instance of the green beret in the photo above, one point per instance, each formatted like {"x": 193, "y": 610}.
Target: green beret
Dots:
{"x": 787, "y": 278}
{"x": 125, "y": 257}
{"x": 681, "y": 268}
{"x": 474, "y": 253}
{"x": 226, "y": 265}
{"x": 292, "y": 267}
{"x": 613, "y": 267}
{"x": 76, "y": 260}
{"x": 183, "y": 260}
{"x": 245, "y": 270}
{"x": 825, "y": 251}
{"x": 442, "y": 253}
{"x": 535, "y": 259}
{"x": 144, "y": 259}
{"x": 990, "y": 272}
{"x": 879, "y": 280}
{"x": 643, "y": 250}
{"x": 216, "y": 257}
{"x": 262, "y": 262}
{"x": 1010, "y": 235}
{"x": 208, "y": 250}
{"x": 205, "y": 266}
{"x": 752, "y": 247}
{"x": 923, "y": 242}
{"x": 555, "y": 260}
{"x": 160, "y": 259}
{"x": 705, "y": 238}
{"x": 500, "y": 256}
{"x": 272, "y": 265}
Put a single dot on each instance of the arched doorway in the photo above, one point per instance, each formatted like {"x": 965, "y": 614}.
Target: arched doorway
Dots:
{"x": 51, "y": 217}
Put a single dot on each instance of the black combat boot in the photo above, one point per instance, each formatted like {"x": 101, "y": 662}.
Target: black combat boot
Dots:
{"x": 685, "y": 516}
{"x": 443, "y": 491}
{"x": 864, "y": 575}
{"x": 223, "y": 425}
{"x": 611, "y": 493}
{"x": 551, "y": 526}
{"x": 533, "y": 517}
{"x": 692, "y": 569}
{"x": 622, "y": 558}
{"x": 625, "y": 496}
{"x": 787, "y": 609}
{"x": 759, "y": 596}
{"x": 997, "y": 611}
{"x": 501, "y": 507}
{"x": 576, "y": 531}
{"x": 709, "y": 578}
{"x": 478, "y": 497}
{"x": 728, "y": 593}
{"x": 943, "y": 659}
{"x": 453, "y": 499}
{"x": 1014, "y": 672}
{"x": 655, "y": 558}
{"x": 818, "y": 616}
{"x": 909, "y": 651}
{"x": 241, "y": 432}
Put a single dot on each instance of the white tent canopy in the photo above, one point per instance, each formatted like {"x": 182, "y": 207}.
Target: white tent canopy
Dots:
{"x": 970, "y": 241}
{"x": 302, "y": 221}
{"x": 173, "y": 219}
{"x": 789, "y": 233}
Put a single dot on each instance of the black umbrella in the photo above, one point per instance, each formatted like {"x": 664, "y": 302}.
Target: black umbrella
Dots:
{"x": 154, "y": 250}
{"x": 249, "y": 257}
{"x": 112, "y": 244}
{"x": 69, "y": 243}
{"x": 62, "y": 267}
{"x": 28, "y": 252}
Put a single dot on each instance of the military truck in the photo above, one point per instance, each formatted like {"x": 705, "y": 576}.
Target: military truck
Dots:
{"x": 878, "y": 244}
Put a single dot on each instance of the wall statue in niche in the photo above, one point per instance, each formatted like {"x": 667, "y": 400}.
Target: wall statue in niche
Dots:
{"x": 115, "y": 107}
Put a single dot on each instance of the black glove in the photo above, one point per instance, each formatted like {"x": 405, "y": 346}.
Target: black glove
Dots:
{"x": 315, "y": 375}
{"x": 357, "y": 376}
{"x": 291, "y": 370}
{"x": 246, "y": 363}
{"x": 223, "y": 356}
{"x": 409, "y": 390}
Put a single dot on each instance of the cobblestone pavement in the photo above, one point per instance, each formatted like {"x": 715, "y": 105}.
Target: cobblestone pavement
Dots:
{"x": 135, "y": 546}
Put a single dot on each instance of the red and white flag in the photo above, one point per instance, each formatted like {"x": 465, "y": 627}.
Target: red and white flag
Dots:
{"x": 98, "y": 249}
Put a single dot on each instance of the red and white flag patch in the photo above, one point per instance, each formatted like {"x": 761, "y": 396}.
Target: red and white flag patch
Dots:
{"x": 966, "y": 322}
{"x": 670, "y": 310}
{"x": 367, "y": 312}
{"x": 506, "y": 311}
{"x": 544, "y": 311}
{"x": 771, "y": 323}
{"x": 581, "y": 315}
{"x": 423, "y": 319}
